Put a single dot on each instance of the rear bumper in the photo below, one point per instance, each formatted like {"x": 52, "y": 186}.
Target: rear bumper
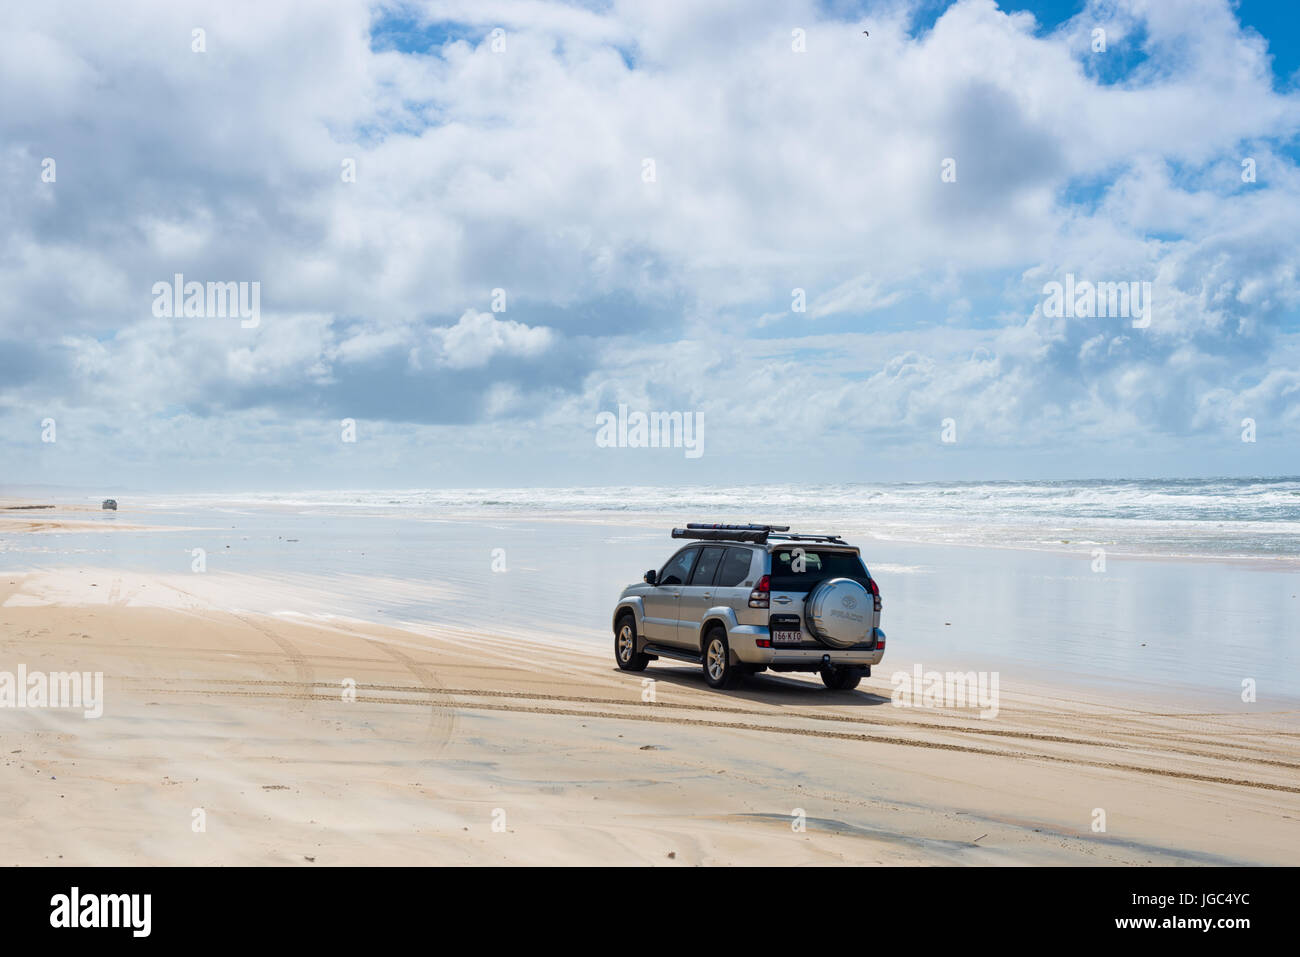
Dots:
{"x": 744, "y": 642}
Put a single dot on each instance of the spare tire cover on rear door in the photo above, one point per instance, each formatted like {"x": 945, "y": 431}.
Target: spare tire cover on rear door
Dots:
{"x": 838, "y": 612}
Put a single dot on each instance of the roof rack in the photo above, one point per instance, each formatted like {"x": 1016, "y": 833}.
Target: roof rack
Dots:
{"x": 703, "y": 531}
{"x": 741, "y": 528}
{"x": 722, "y": 533}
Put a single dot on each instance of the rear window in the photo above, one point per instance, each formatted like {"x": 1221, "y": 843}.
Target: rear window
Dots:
{"x": 799, "y": 569}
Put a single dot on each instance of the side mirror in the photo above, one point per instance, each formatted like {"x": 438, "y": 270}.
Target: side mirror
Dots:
{"x": 651, "y": 576}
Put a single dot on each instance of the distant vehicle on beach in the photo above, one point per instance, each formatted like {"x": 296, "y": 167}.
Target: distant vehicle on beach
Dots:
{"x": 745, "y": 598}
{"x": 110, "y": 504}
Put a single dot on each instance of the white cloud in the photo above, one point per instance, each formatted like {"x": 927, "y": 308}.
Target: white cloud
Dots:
{"x": 478, "y": 337}
{"x": 775, "y": 170}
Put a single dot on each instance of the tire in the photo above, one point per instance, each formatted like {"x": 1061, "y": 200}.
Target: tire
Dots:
{"x": 841, "y": 678}
{"x": 719, "y": 672}
{"x": 625, "y": 653}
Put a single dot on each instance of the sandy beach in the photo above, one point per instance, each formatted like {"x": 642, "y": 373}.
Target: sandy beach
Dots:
{"x": 365, "y": 364}
{"x": 228, "y": 737}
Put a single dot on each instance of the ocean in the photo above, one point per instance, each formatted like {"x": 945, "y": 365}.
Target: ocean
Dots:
{"x": 1156, "y": 586}
{"x": 1194, "y": 518}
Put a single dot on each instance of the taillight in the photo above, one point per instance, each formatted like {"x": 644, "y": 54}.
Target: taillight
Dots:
{"x": 758, "y": 598}
{"x": 875, "y": 592}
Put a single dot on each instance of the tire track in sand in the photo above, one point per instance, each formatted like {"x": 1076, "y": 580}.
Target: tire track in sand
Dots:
{"x": 1113, "y": 745}
{"x": 777, "y": 729}
{"x": 442, "y": 716}
{"x": 302, "y": 667}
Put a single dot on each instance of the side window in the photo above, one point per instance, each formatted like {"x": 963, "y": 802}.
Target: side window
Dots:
{"x": 678, "y": 568}
{"x": 707, "y": 565}
{"x": 735, "y": 567}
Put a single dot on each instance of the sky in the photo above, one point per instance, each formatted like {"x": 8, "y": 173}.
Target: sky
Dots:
{"x": 473, "y": 227}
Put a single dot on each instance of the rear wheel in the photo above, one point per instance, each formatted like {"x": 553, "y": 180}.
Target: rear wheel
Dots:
{"x": 625, "y": 653}
{"x": 719, "y": 672}
{"x": 840, "y": 678}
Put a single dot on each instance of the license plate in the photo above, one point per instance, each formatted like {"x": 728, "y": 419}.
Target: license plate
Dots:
{"x": 786, "y": 637}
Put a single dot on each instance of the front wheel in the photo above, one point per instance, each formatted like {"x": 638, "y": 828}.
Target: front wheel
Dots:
{"x": 841, "y": 678}
{"x": 625, "y": 653}
{"x": 719, "y": 672}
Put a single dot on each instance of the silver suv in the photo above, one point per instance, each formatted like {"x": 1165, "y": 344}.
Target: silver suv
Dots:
{"x": 741, "y": 599}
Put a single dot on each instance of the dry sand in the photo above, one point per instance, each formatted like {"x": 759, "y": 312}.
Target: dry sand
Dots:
{"x": 244, "y": 716}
